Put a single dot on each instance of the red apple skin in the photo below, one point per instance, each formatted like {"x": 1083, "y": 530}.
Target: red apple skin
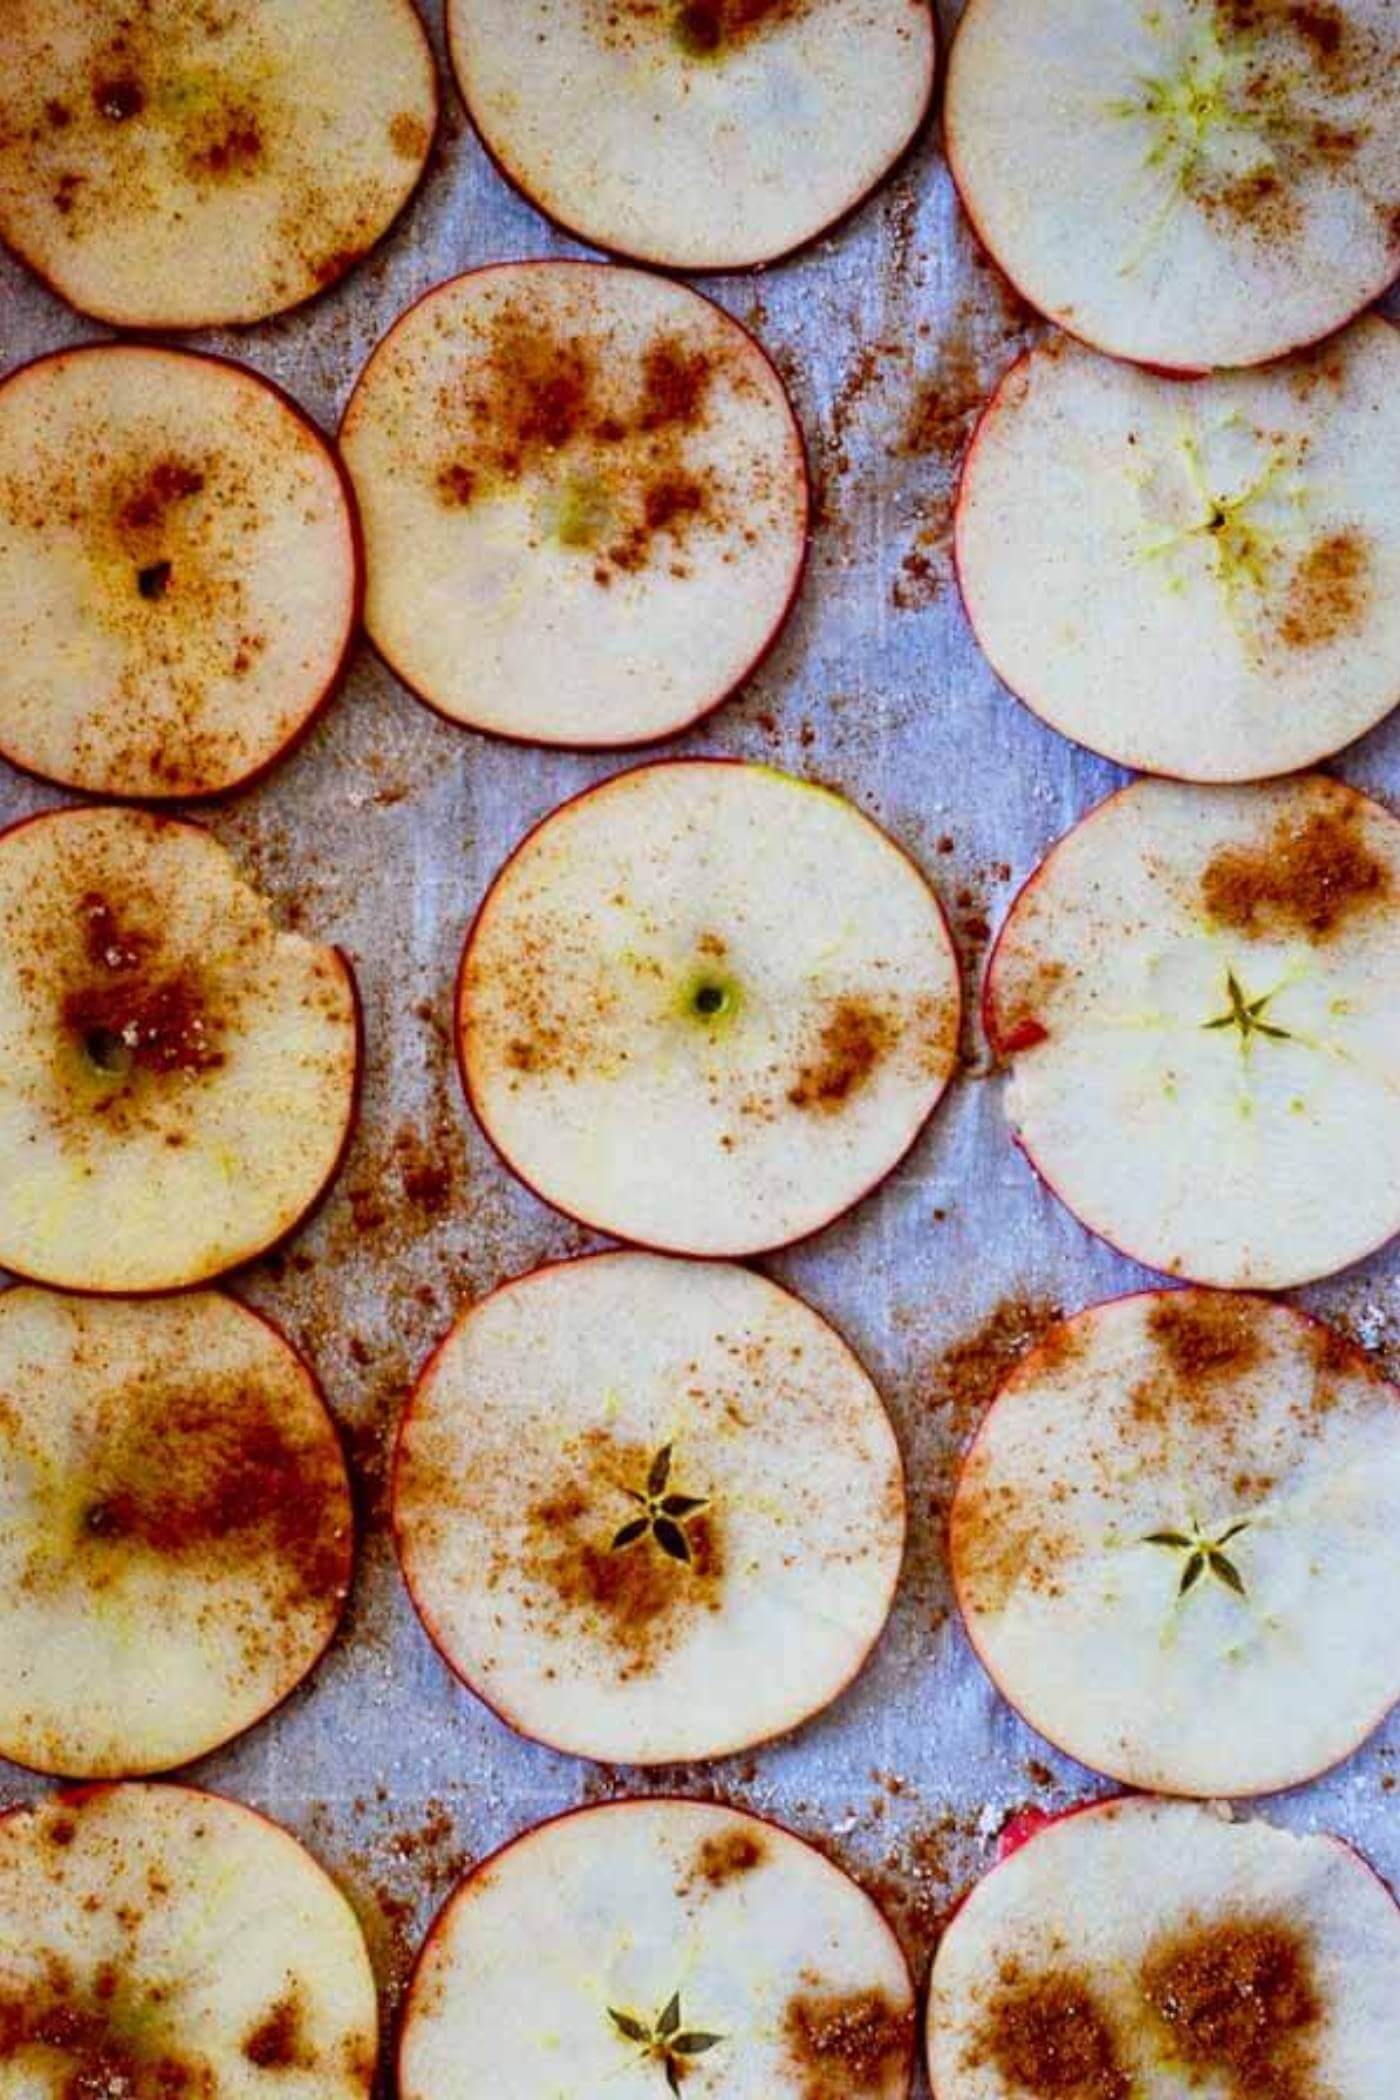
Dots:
{"x": 798, "y": 1239}
{"x": 1002, "y": 1046}
{"x": 92, "y": 1789}
{"x": 354, "y": 620}
{"x": 622, "y": 255}
{"x": 501, "y": 1713}
{"x": 1023, "y": 357}
{"x": 352, "y": 1553}
{"x": 523, "y": 1837}
{"x": 1054, "y": 1327}
{"x": 1163, "y": 371}
{"x": 155, "y": 329}
{"x": 766, "y": 646}
{"x": 1014, "y": 1840}
{"x": 318, "y": 1197}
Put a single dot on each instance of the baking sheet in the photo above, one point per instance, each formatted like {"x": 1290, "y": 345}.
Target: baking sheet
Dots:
{"x": 381, "y": 832}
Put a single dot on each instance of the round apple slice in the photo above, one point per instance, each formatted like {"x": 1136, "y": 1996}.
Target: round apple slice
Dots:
{"x": 595, "y": 1508}
{"x": 179, "y": 571}
{"x": 584, "y": 497}
{"x": 698, "y": 134}
{"x": 175, "y": 1528}
{"x": 164, "y": 166}
{"x": 1144, "y": 1950}
{"x": 1200, "y": 580}
{"x": 1193, "y": 184}
{"x": 706, "y": 1006}
{"x": 655, "y": 1945}
{"x": 155, "y": 1940}
{"x": 1176, "y": 1542}
{"x": 1198, "y": 995}
{"x": 177, "y": 1075}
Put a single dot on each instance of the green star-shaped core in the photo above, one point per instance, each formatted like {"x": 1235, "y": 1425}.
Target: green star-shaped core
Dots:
{"x": 1247, "y": 1015}
{"x": 665, "y": 2041}
{"x": 664, "y": 1515}
{"x": 1204, "y": 1556}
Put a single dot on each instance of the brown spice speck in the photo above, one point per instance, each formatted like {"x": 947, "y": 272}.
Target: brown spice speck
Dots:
{"x": 1307, "y": 878}
{"x": 1327, "y": 592}
{"x": 1239, "y": 1999}
{"x": 855, "y": 1039}
{"x": 843, "y": 2044}
{"x": 1049, "y": 2035}
{"x": 1204, "y": 1335}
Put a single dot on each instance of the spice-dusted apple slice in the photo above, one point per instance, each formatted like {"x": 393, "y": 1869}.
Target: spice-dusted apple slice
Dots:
{"x": 698, "y": 134}
{"x": 1191, "y": 184}
{"x": 156, "y": 1940}
{"x": 707, "y": 1006}
{"x": 650, "y": 1510}
{"x": 1199, "y": 580}
{"x": 169, "y": 166}
{"x": 177, "y": 1075}
{"x": 655, "y": 1946}
{"x": 584, "y": 497}
{"x": 1146, "y": 1950}
{"x": 176, "y": 1538}
{"x": 1176, "y": 1542}
{"x": 1198, "y": 995}
{"x": 179, "y": 570}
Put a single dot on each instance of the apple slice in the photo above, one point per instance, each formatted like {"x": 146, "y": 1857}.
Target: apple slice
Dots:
{"x": 698, "y": 134}
{"x": 168, "y": 166}
{"x": 1198, "y": 995}
{"x": 1146, "y": 1950}
{"x": 177, "y": 1075}
{"x": 649, "y": 1510}
{"x": 1176, "y": 1542}
{"x": 585, "y": 501}
{"x": 157, "y": 1941}
{"x": 707, "y": 1006}
{"x": 180, "y": 582}
{"x": 1191, "y": 184}
{"x": 1200, "y": 580}
{"x": 655, "y": 1945}
{"x": 175, "y": 1528}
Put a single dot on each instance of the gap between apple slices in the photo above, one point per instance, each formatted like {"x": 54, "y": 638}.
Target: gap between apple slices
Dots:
{"x": 177, "y": 1074}
{"x": 159, "y": 1940}
{"x": 170, "y": 166}
{"x": 1176, "y": 1542}
{"x": 1188, "y": 183}
{"x": 1143, "y": 1950}
{"x": 1197, "y": 995}
{"x": 177, "y": 1537}
{"x": 649, "y": 1510}
{"x": 696, "y": 134}
{"x": 181, "y": 580}
{"x": 1201, "y": 580}
{"x": 655, "y": 1947}
{"x": 706, "y": 1006}
{"x": 585, "y": 501}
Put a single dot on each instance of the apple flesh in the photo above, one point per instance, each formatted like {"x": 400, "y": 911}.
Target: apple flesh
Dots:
{"x": 181, "y": 578}
{"x": 697, "y": 134}
{"x": 595, "y": 1511}
{"x": 584, "y": 497}
{"x": 158, "y": 1940}
{"x": 178, "y": 1073}
{"x": 1190, "y": 185}
{"x": 1197, "y": 995}
{"x": 1198, "y": 580}
{"x": 706, "y": 1006}
{"x": 164, "y": 168}
{"x": 1176, "y": 1542}
{"x": 177, "y": 1535}
{"x": 1142, "y": 1950}
{"x": 655, "y": 1945}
